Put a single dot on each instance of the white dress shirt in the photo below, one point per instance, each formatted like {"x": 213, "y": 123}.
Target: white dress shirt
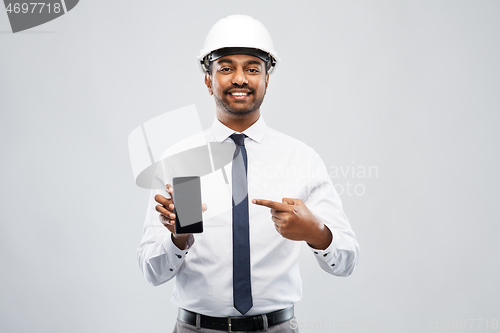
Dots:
{"x": 278, "y": 166}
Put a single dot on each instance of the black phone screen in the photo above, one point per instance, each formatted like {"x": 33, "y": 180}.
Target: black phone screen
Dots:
{"x": 187, "y": 202}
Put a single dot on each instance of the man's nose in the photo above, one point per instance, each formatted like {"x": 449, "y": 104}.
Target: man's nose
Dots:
{"x": 239, "y": 77}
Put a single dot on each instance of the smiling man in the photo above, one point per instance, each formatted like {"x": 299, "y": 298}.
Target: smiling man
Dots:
{"x": 241, "y": 95}
{"x": 241, "y": 273}
{"x": 238, "y": 83}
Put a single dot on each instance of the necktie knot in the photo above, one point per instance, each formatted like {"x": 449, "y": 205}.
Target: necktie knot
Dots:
{"x": 239, "y": 139}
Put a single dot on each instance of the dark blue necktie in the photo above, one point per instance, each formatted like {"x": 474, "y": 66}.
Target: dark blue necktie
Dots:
{"x": 242, "y": 290}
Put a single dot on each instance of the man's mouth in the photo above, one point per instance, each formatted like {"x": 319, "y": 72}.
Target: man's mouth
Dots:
{"x": 235, "y": 93}
{"x": 239, "y": 93}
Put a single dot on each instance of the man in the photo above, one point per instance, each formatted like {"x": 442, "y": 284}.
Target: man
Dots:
{"x": 241, "y": 273}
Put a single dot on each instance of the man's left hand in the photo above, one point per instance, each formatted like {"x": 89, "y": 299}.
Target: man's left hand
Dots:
{"x": 293, "y": 220}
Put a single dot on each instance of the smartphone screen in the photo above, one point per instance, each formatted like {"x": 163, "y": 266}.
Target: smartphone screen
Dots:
{"x": 187, "y": 202}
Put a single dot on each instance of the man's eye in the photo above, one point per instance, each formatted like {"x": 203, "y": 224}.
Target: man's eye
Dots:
{"x": 225, "y": 69}
{"x": 253, "y": 70}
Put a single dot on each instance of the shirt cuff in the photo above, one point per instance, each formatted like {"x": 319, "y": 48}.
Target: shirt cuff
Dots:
{"x": 326, "y": 255}
{"x": 173, "y": 250}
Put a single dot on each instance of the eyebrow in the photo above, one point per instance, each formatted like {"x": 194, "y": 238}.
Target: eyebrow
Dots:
{"x": 253, "y": 62}
{"x": 225, "y": 60}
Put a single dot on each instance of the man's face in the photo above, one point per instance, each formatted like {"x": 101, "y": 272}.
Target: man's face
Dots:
{"x": 238, "y": 83}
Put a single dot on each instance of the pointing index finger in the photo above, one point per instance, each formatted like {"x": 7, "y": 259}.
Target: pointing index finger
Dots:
{"x": 281, "y": 207}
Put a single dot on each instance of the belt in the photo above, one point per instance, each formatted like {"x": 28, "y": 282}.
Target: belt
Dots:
{"x": 232, "y": 324}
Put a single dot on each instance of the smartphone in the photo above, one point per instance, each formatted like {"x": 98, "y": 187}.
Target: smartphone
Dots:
{"x": 187, "y": 202}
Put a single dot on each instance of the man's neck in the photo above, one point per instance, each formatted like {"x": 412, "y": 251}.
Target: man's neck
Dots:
{"x": 238, "y": 124}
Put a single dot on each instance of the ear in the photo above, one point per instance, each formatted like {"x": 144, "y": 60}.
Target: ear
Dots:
{"x": 208, "y": 83}
{"x": 267, "y": 80}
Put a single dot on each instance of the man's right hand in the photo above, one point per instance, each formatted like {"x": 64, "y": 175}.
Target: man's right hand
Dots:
{"x": 167, "y": 216}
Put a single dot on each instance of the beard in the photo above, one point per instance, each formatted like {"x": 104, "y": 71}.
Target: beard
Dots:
{"x": 238, "y": 108}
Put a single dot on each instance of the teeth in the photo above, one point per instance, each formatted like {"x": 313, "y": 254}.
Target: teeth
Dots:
{"x": 238, "y": 94}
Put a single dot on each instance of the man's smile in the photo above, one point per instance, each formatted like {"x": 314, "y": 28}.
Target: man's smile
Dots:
{"x": 239, "y": 94}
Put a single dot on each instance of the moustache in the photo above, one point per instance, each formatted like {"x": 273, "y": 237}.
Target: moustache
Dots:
{"x": 237, "y": 86}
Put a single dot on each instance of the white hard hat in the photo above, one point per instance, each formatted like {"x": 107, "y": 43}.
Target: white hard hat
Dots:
{"x": 238, "y": 34}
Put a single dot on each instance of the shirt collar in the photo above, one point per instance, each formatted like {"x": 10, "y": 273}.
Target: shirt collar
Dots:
{"x": 255, "y": 132}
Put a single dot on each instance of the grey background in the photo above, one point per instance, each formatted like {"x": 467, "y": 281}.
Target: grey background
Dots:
{"x": 410, "y": 87}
